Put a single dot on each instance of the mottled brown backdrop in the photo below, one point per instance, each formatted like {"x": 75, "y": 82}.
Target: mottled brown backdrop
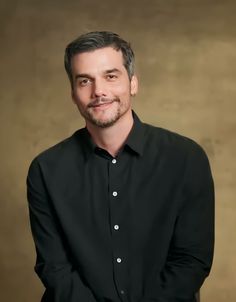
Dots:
{"x": 186, "y": 63}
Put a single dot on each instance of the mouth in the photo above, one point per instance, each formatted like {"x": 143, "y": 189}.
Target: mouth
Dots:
{"x": 102, "y": 105}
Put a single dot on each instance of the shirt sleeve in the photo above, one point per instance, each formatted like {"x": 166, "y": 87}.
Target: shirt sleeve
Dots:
{"x": 53, "y": 266}
{"x": 191, "y": 250}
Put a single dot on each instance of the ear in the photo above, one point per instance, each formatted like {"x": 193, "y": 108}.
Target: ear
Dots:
{"x": 134, "y": 85}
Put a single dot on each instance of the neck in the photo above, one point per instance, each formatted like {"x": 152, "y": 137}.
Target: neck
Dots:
{"x": 112, "y": 138}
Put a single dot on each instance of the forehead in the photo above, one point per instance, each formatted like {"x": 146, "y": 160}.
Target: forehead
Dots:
{"x": 98, "y": 60}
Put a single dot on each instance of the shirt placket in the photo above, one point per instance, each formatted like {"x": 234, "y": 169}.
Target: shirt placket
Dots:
{"x": 117, "y": 229}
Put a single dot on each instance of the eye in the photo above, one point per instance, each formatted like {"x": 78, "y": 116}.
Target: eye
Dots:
{"x": 111, "y": 76}
{"x": 84, "y": 82}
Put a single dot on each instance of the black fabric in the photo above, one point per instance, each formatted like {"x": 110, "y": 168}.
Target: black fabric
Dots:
{"x": 163, "y": 212}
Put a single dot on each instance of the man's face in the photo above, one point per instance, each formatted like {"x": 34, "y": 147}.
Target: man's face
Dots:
{"x": 101, "y": 87}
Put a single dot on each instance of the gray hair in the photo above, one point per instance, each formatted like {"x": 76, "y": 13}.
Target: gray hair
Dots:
{"x": 95, "y": 40}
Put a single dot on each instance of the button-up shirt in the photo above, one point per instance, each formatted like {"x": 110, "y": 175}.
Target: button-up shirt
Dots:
{"x": 135, "y": 228}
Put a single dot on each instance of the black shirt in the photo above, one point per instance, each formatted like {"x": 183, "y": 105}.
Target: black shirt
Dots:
{"x": 135, "y": 228}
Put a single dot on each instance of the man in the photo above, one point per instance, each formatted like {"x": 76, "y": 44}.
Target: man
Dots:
{"x": 121, "y": 210}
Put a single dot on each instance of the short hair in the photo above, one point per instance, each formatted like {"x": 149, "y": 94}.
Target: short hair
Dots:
{"x": 96, "y": 40}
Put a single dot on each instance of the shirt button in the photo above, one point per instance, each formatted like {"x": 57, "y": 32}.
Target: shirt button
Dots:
{"x": 118, "y": 260}
{"x": 122, "y": 292}
{"x": 116, "y": 227}
{"x": 114, "y": 161}
{"x": 114, "y": 193}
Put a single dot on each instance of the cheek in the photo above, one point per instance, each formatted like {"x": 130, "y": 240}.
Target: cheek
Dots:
{"x": 122, "y": 89}
{"x": 81, "y": 97}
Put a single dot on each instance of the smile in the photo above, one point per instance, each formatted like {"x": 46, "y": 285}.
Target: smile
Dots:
{"x": 102, "y": 105}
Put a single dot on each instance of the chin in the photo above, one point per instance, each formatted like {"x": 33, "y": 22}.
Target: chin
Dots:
{"x": 106, "y": 119}
{"x": 104, "y": 123}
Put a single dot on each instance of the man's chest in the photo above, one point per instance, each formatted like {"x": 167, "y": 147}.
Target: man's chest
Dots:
{"x": 126, "y": 195}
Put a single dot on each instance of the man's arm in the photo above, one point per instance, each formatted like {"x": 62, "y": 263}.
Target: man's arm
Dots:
{"x": 191, "y": 250}
{"x": 61, "y": 280}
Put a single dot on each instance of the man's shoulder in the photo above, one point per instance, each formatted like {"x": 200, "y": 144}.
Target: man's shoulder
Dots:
{"x": 172, "y": 142}
{"x": 63, "y": 149}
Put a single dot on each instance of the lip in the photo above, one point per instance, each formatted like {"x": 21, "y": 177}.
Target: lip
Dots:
{"x": 102, "y": 105}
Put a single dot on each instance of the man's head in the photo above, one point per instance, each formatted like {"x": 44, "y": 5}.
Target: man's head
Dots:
{"x": 100, "y": 66}
{"x": 96, "y": 40}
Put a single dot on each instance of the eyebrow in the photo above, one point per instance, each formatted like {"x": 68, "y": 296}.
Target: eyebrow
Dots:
{"x": 83, "y": 75}
{"x": 86, "y": 75}
{"x": 112, "y": 70}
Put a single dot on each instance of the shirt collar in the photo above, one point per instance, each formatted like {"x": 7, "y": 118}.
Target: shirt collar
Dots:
{"x": 135, "y": 139}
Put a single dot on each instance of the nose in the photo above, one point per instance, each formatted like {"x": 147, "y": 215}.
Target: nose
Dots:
{"x": 99, "y": 88}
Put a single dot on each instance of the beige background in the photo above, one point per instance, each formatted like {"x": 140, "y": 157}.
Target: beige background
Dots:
{"x": 186, "y": 62}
